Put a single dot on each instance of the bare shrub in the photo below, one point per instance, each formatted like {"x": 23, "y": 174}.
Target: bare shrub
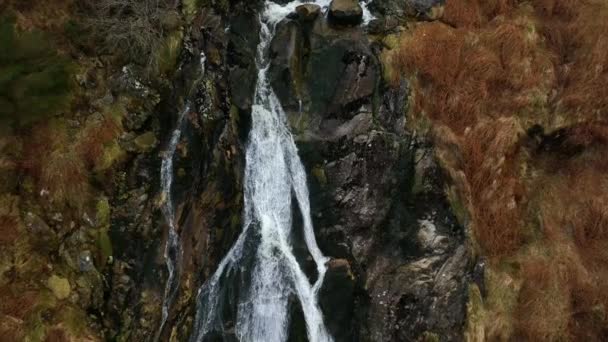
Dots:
{"x": 132, "y": 29}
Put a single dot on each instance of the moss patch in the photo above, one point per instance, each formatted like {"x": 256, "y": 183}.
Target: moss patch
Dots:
{"x": 60, "y": 286}
{"x": 34, "y": 78}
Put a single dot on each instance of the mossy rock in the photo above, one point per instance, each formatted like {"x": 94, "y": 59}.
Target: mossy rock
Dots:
{"x": 319, "y": 173}
{"x": 102, "y": 212}
{"x": 146, "y": 142}
{"x": 59, "y": 286}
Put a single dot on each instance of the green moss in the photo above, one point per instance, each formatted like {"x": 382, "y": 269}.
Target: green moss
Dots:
{"x": 60, "y": 286}
{"x": 104, "y": 244}
{"x": 235, "y": 221}
{"x": 35, "y": 327}
{"x": 475, "y": 315}
{"x": 74, "y": 320}
{"x": 146, "y": 142}
{"x": 319, "y": 173}
{"x": 34, "y": 79}
{"x": 189, "y": 8}
{"x": 102, "y": 212}
{"x": 457, "y": 206}
{"x": 112, "y": 154}
{"x": 428, "y": 336}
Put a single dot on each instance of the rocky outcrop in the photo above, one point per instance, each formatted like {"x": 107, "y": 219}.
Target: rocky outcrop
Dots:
{"x": 404, "y": 9}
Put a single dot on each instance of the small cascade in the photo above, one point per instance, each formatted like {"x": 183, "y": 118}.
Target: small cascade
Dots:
{"x": 173, "y": 250}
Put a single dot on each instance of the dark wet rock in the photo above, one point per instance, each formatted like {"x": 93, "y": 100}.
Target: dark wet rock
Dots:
{"x": 44, "y": 238}
{"x": 383, "y": 25}
{"x": 403, "y": 9}
{"x": 286, "y": 51}
{"x": 337, "y": 299}
{"x": 378, "y": 201}
{"x": 320, "y": 70}
{"x": 243, "y": 39}
{"x": 358, "y": 81}
{"x": 345, "y": 12}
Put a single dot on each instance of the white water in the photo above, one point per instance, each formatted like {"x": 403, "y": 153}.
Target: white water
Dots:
{"x": 173, "y": 250}
{"x": 273, "y": 175}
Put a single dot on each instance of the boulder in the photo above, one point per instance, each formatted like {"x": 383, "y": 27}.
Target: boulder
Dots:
{"x": 59, "y": 286}
{"x": 308, "y": 12}
{"x": 345, "y": 12}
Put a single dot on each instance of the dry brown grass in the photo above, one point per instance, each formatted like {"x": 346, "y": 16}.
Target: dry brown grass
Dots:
{"x": 574, "y": 212}
{"x": 95, "y": 137}
{"x": 41, "y": 14}
{"x": 17, "y": 305}
{"x": 489, "y": 68}
{"x": 488, "y": 160}
{"x": 464, "y": 75}
{"x": 56, "y": 166}
{"x": 543, "y": 292}
{"x": 61, "y": 161}
{"x": 66, "y": 178}
{"x": 9, "y": 231}
{"x": 56, "y": 335}
{"x": 577, "y": 34}
{"x": 474, "y": 13}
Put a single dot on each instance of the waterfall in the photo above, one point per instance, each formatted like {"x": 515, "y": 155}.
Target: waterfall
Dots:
{"x": 173, "y": 250}
{"x": 261, "y": 262}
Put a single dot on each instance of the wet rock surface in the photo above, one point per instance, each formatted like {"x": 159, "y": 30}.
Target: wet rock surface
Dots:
{"x": 377, "y": 194}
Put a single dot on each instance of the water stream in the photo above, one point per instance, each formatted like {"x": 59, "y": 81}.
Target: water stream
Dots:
{"x": 173, "y": 250}
{"x": 260, "y": 273}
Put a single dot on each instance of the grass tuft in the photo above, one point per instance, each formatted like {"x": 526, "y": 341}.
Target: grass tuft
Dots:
{"x": 34, "y": 79}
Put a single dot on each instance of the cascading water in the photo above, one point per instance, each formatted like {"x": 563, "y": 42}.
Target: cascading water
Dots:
{"x": 261, "y": 265}
{"x": 173, "y": 251}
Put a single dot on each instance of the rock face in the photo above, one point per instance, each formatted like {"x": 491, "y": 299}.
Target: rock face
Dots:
{"x": 345, "y": 12}
{"x": 324, "y": 70}
{"x": 377, "y": 194}
{"x": 400, "y": 267}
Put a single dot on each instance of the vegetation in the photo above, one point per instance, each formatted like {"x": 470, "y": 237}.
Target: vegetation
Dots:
{"x": 138, "y": 31}
{"x": 34, "y": 78}
{"x": 516, "y": 93}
